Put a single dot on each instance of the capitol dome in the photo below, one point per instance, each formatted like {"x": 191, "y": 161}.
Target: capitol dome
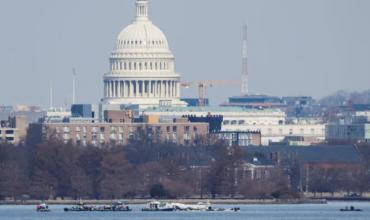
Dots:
{"x": 142, "y": 67}
{"x": 141, "y": 35}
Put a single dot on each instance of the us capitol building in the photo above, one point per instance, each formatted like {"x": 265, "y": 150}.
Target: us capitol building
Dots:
{"x": 142, "y": 66}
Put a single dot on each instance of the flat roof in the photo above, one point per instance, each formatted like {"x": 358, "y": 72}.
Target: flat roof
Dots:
{"x": 210, "y": 109}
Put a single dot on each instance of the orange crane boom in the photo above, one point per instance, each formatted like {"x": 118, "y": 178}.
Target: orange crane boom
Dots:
{"x": 205, "y": 84}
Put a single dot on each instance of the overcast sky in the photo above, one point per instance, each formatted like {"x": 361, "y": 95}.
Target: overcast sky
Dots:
{"x": 296, "y": 47}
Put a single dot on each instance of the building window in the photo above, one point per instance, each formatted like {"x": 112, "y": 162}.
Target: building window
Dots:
{"x": 174, "y": 128}
{"x": 168, "y": 129}
{"x": 66, "y": 136}
{"x": 102, "y": 129}
{"x": 187, "y": 129}
{"x": 290, "y": 131}
{"x": 9, "y": 132}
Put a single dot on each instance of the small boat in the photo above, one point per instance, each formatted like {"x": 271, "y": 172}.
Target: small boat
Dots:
{"x": 235, "y": 209}
{"x": 43, "y": 207}
{"x": 80, "y": 207}
{"x": 156, "y": 206}
{"x": 117, "y": 206}
{"x": 350, "y": 209}
{"x": 201, "y": 206}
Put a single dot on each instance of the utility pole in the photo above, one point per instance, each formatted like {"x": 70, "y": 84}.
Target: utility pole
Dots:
{"x": 244, "y": 87}
{"x": 74, "y": 86}
{"x": 51, "y": 94}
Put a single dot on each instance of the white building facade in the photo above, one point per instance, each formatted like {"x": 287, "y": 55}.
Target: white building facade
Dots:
{"x": 270, "y": 122}
{"x": 142, "y": 67}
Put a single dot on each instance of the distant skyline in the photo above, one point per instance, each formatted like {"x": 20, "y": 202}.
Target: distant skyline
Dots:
{"x": 295, "y": 47}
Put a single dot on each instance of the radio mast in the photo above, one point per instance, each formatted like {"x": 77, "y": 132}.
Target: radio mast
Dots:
{"x": 244, "y": 87}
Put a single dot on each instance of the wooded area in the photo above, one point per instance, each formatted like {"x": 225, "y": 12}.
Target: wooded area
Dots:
{"x": 55, "y": 170}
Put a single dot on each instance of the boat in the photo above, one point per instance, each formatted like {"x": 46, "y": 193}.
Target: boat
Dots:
{"x": 350, "y": 209}
{"x": 80, "y": 207}
{"x": 201, "y": 206}
{"x": 156, "y": 206}
{"x": 43, "y": 207}
{"x": 234, "y": 209}
{"x": 116, "y": 206}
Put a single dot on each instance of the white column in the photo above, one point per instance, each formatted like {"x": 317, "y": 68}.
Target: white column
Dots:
{"x": 131, "y": 89}
{"x": 149, "y": 88}
{"x": 155, "y": 88}
{"x": 178, "y": 89}
{"x": 118, "y": 88}
{"x": 163, "y": 88}
{"x": 110, "y": 89}
{"x": 168, "y": 88}
{"x": 137, "y": 88}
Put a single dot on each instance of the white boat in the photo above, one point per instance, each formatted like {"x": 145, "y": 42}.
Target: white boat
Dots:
{"x": 158, "y": 206}
{"x": 43, "y": 207}
{"x": 201, "y": 206}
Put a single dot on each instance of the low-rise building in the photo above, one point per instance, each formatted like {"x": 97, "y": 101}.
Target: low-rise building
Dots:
{"x": 13, "y": 130}
{"x": 100, "y": 134}
{"x": 313, "y": 133}
{"x": 348, "y": 132}
{"x": 238, "y": 138}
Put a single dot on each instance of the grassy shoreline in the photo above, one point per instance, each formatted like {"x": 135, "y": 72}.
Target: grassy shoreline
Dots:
{"x": 186, "y": 201}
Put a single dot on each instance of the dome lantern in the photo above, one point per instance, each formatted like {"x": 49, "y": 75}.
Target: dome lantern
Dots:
{"x": 142, "y": 10}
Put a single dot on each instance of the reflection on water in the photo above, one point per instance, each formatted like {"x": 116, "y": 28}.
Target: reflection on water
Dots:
{"x": 253, "y": 212}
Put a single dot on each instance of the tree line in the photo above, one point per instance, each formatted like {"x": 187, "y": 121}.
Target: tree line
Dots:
{"x": 55, "y": 170}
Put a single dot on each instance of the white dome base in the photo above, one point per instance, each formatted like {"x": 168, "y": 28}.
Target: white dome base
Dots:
{"x": 145, "y": 102}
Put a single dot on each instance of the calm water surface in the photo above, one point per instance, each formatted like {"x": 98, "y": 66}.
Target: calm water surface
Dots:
{"x": 253, "y": 212}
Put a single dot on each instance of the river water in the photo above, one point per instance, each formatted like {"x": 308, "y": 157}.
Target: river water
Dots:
{"x": 328, "y": 211}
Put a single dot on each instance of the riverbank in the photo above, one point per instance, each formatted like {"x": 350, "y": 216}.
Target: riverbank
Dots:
{"x": 185, "y": 201}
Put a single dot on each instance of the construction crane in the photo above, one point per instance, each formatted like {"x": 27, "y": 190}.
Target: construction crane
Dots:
{"x": 204, "y": 85}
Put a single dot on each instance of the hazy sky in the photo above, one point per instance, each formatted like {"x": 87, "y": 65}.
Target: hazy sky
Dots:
{"x": 296, "y": 47}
